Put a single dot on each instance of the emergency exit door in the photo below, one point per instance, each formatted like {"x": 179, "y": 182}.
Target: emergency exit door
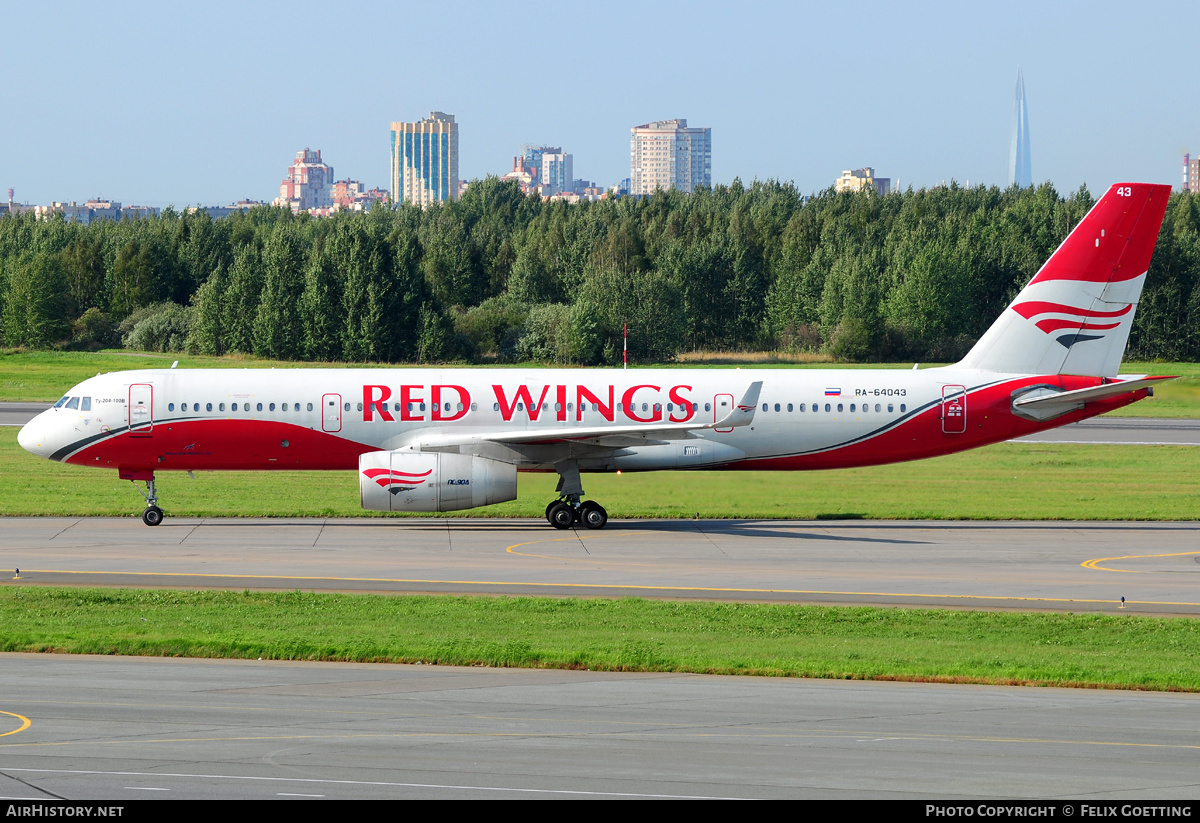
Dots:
{"x": 331, "y": 412}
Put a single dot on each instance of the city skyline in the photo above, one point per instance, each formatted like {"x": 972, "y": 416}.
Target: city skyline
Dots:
{"x": 930, "y": 102}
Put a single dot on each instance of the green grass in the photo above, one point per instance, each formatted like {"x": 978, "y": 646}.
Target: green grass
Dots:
{"x": 45, "y": 376}
{"x": 619, "y": 635}
{"x": 1004, "y": 481}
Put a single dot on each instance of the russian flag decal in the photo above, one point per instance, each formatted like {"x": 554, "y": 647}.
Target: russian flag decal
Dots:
{"x": 833, "y": 392}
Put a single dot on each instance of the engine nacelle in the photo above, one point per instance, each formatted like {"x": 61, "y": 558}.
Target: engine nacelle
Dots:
{"x": 432, "y": 482}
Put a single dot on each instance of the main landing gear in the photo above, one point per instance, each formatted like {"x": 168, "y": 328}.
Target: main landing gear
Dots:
{"x": 153, "y": 515}
{"x": 567, "y": 510}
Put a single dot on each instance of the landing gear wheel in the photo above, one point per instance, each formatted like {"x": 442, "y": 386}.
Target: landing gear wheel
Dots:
{"x": 561, "y": 516}
{"x": 593, "y": 515}
{"x": 550, "y": 506}
{"x": 152, "y": 516}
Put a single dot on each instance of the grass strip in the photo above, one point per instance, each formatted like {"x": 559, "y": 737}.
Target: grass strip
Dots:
{"x": 1006, "y": 481}
{"x": 1089, "y": 650}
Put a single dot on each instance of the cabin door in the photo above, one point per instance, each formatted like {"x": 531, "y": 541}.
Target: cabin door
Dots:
{"x": 954, "y": 409}
{"x": 141, "y": 409}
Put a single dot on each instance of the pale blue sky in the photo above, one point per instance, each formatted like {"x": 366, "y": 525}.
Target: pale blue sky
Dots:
{"x": 160, "y": 103}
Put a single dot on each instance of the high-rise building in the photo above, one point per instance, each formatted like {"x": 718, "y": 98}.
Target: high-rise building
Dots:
{"x": 557, "y": 171}
{"x": 864, "y": 178}
{"x": 425, "y": 160}
{"x": 553, "y": 168}
{"x": 1018, "y": 146}
{"x": 1191, "y": 174}
{"x": 666, "y": 154}
{"x": 308, "y": 184}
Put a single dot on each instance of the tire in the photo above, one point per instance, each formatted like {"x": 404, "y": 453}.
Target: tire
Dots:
{"x": 550, "y": 506}
{"x": 593, "y": 515}
{"x": 152, "y": 516}
{"x": 562, "y": 516}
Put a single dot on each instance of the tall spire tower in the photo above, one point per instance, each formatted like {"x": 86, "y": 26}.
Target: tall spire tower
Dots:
{"x": 1018, "y": 146}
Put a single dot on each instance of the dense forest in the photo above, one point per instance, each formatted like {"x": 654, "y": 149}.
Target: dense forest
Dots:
{"x": 917, "y": 275}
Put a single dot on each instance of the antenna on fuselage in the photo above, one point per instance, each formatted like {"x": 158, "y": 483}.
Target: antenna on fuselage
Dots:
{"x": 176, "y": 363}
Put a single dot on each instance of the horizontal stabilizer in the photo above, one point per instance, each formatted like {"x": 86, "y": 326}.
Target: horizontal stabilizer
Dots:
{"x": 1046, "y": 403}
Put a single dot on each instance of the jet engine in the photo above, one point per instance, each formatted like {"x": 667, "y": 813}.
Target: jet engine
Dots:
{"x": 391, "y": 481}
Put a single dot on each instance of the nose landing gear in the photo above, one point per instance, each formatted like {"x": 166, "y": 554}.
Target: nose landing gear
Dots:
{"x": 152, "y": 515}
{"x": 567, "y": 510}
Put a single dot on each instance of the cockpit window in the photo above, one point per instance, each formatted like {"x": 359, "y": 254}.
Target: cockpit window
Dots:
{"x": 60, "y": 403}
{"x": 86, "y": 405}
{"x": 73, "y": 403}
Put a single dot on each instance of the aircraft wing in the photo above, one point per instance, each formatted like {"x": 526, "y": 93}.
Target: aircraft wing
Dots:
{"x": 609, "y": 436}
{"x": 1045, "y": 403}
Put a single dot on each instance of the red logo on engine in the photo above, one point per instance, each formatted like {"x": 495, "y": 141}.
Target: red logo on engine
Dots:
{"x": 397, "y": 481}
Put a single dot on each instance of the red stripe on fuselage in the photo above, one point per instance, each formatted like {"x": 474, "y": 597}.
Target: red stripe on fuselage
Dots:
{"x": 224, "y": 445}
{"x": 989, "y": 420}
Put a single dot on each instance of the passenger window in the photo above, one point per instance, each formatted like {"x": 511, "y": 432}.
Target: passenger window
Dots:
{"x": 851, "y": 407}
{"x": 802, "y": 407}
{"x": 839, "y": 406}
{"x": 272, "y": 407}
{"x": 221, "y": 407}
{"x": 460, "y": 407}
{"x": 360, "y": 406}
{"x": 474, "y": 407}
{"x": 422, "y": 407}
{"x": 764, "y": 406}
{"x": 657, "y": 407}
{"x": 170, "y": 407}
{"x": 789, "y": 406}
{"x": 557, "y": 406}
{"x": 208, "y": 406}
{"x": 309, "y": 407}
{"x": 890, "y": 409}
{"x": 260, "y": 406}
{"x": 347, "y": 407}
{"x": 903, "y": 407}
{"x": 86, "y": 404}
{"x": 495, "y": 407}
{"x": 708, "y": 406}
{"x": 777, "y": 407}
{"x": 73, "y": 403}
{"x": 827, "y": 408}
{"x": 877, "y": 407}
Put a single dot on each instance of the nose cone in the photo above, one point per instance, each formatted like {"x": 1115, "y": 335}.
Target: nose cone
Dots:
{"x": 34, "y": 436}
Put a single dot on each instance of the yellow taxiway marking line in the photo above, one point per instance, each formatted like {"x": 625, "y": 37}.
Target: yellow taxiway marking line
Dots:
{"x": 25, "y": 724}
{"x": 510, "y": 549}
{"x": 624, "y": 587}
{"x": 1094, "y": 563}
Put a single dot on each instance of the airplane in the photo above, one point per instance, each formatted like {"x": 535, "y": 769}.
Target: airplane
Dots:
{"x": 437, "y": 440}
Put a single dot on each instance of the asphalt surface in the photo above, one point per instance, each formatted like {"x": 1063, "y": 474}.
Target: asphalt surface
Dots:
{"x": 103, "y": 728}
{"x": 1069, "y": 566}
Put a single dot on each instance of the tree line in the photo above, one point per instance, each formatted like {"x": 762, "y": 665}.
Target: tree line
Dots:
{"x": 914, "y": 275}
